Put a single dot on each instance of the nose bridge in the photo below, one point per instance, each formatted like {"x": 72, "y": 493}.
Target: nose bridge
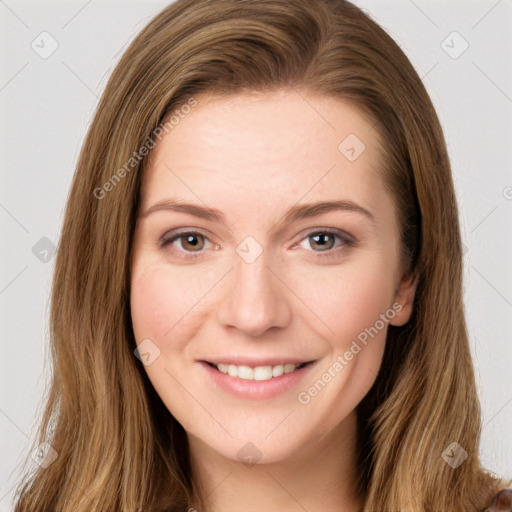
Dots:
{"x": 254, "y": 300}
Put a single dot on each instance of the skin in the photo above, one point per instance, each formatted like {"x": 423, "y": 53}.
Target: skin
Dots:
{"x": 253, "y": 156}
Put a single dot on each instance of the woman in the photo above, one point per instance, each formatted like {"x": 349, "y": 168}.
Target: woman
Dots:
{"x": 207, "y": 354}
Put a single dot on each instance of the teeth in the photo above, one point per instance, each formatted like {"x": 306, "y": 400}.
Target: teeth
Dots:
{"x": 258, "y": 373}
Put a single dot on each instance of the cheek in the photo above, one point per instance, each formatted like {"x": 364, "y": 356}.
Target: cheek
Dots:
{"x": 349, "y": 298}
{"x": 166, "y": 308}
{"x": 161, "y": 303}
{"x": 351, "y": 302}
{"x": 151, "y": 303}
{"x": 170, "y": 306}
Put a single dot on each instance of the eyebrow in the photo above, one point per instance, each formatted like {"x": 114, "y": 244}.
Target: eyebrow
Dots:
{"x": 296, "y": 212}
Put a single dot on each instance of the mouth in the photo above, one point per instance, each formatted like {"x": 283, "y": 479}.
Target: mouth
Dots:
{"x": 256, "y": 379}
{"x": 258, "y": 373}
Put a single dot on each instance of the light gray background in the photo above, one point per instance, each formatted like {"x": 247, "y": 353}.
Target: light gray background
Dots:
{"x": 46, "y": 105}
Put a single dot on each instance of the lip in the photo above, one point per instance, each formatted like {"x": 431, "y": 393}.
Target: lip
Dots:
{"x": 256, "y": 389}
{"x": 252, "y": 362}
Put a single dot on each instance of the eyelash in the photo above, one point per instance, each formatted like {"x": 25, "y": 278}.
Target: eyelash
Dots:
{"x": 170, "y": 238}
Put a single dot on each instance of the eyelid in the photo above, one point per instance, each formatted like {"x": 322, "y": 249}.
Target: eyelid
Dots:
{"x": 346, "y": 241}
{"x": 329, "y": 231}
{"x": 171, "y": 236}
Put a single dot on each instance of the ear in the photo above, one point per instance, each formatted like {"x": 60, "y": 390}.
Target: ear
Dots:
{"x": 404, "y": 299}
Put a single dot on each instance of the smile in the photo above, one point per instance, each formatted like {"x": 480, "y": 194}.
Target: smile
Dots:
{"x": 258, "y": 372}
{"x": 256, "y": 382}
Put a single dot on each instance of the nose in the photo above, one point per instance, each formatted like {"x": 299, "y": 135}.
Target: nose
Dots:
{"x": 255, "y": 298}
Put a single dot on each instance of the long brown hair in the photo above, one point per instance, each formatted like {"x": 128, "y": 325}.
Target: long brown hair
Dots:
{"x": 118, "y": 447}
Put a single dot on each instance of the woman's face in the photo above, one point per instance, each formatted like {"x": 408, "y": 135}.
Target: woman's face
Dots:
{"x": 266, "y": 239}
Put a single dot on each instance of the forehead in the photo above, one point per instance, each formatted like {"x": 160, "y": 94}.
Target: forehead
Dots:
{"x": 269, "y": 148}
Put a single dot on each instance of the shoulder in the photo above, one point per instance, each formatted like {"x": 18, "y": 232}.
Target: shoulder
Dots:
{"x": 502, "y": 502}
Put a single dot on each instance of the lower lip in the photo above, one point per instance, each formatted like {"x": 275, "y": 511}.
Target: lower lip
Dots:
{"x": 255, "y": 389}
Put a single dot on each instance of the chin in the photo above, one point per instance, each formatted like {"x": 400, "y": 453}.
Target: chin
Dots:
{"x": 252, "y": 444}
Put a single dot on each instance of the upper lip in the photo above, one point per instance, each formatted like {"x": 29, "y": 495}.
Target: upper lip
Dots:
{"x": 253, "y": 362}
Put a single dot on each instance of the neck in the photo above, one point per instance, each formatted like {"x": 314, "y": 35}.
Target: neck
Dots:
{"x": 321, "y": 477}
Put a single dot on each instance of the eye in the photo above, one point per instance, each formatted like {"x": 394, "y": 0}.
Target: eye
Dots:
{"x": 193, "y": 243}
{"x": 185, "y": 241}
{"x": 324, "y": 241}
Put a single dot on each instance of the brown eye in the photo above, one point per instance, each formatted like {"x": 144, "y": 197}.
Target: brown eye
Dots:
{"x": 322, "y": 241}
{"x": 184, "y": 242}
{"x": 192, "y": 242}
{"x": 327, "y": 243}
